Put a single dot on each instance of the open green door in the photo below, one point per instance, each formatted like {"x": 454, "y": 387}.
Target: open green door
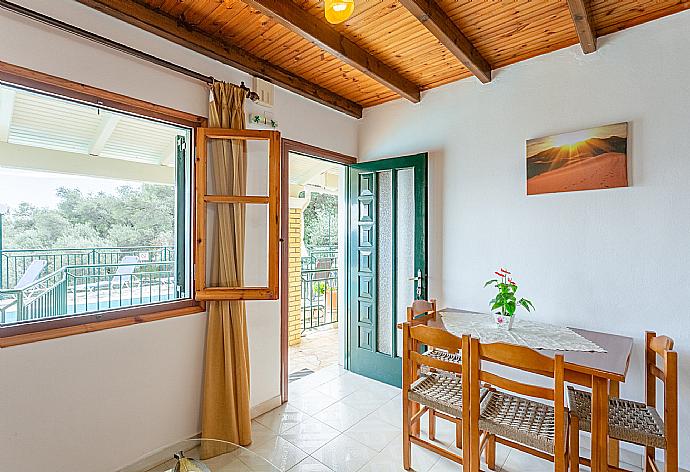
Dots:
{"x": 387, "y": 266}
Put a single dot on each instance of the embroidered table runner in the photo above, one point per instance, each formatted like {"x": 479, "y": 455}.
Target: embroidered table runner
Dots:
{"x": 528, "y": 333}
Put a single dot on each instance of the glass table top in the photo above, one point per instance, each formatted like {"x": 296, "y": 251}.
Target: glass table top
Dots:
{"x": 217, "y": 456}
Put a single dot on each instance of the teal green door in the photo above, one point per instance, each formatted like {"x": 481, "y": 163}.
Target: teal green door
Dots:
{"x": 387, "y": 264}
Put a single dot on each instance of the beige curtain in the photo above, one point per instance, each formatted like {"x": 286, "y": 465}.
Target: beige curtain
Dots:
{"x": 225, "y": 405}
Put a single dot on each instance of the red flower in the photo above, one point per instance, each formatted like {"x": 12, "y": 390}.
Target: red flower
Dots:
{"x": 504, "y": 271}
{"x": 499, "y": 274}
{"x": 511, "y": 281}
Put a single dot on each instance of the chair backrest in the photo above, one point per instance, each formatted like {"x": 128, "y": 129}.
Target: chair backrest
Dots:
{"x": 127, "y": 269}
{"x": 519, "y": 358}
{"x": 522, "y": 359}
{"x": 416, "y": 335}
{"x": 662, "y": 347}
{"x": 32, "y": 273}
{"x": 431, "y": 338}
{"x": 421, "y": 311}
{"x": 322, "y": 274}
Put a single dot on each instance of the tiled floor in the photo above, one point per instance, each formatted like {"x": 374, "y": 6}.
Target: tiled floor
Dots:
{"x": 318, "y": 349}
{"x": 337, "y": 421}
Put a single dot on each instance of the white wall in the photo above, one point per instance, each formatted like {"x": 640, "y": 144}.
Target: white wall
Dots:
{"x": 96, "y": 401}
{"x": 611, "y": 260}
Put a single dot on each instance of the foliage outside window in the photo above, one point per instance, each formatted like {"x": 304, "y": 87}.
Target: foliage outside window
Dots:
{"x": 113, "y": 236}
{"x": 321, "y": 221}
{"x": 143, "y": 216}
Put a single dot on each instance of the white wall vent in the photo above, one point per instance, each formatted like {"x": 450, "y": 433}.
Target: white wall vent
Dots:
{"x": 265, "y": 91}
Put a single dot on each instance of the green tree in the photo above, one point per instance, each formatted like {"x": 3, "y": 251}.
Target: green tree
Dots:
{"x": 321, "y": 220}
{"x": 133, "y": 216}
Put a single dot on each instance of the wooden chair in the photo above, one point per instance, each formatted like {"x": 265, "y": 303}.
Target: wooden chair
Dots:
{"x": 537, "y": 428}
{"x": 439, "y": 390}
{"x": 634, "y": 422}
{"x": 421, "y": 312}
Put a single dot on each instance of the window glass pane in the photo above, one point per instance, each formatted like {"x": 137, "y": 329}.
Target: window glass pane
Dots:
{"x": 220, "y": 220}
{"x": 91, "y": 206}
{"x": 384, "y": 273}
{"x": 221, "y": 155}
{"x": 405, "y": 238}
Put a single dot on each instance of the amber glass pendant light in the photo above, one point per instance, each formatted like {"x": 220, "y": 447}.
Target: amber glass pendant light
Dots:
{"x": 338, "y": 11}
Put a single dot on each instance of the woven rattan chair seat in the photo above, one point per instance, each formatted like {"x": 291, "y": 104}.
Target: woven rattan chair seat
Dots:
{"x": 439, "y": 392}
{"x": 519, "y": 419}
{"x": 628, "y": 420}
{"x": 442, "y": 355}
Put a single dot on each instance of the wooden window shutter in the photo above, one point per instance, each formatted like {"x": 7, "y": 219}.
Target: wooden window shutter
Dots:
{"x": 261, "y": 207}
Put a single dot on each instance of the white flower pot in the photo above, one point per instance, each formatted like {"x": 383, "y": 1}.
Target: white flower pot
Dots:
{"x": 504, "y": 321}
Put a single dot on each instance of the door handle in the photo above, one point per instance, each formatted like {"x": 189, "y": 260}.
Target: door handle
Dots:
{"x": 420, "y": 280}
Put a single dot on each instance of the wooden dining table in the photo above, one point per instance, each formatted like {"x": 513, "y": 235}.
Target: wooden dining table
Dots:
{"x": 601, "y": 371}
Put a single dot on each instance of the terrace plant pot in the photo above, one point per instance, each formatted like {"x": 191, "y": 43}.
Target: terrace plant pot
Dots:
{"x": 332, "y": 300}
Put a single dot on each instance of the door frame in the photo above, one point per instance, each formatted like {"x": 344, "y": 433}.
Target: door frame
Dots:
{"x": 288, "y": 146}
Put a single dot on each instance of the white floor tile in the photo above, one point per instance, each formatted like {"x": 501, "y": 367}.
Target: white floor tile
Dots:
{"x": 310, "y": 435}
{"x": 373, "y": 432}
{"x": 390, "y": 459}
{"x": 445, "y": 431}
{"x": 502, "y": 454}
{"x": 385, "y": 464}
{"x": 365, "y": 400}
{"x": 311, "y": 402}
{"x": 279, "y": 452}
{"x": 310, "y": 465}
{"x": 382, "y": 389}
{"x": 234, "y": 465}
{"x": 519, "y": 462}
{"x": 344, "y": 454}
{"x": 340, "y": 416}
{"x": 298, "y": 388}
{"x": 261, "y": 434}
{"x": 282, "y": 418}
{"x": 445, "y": 465}
{"x": 312, "y": 381}
{"x": 391, "y": 411}
{"x": 340, "y": 387}
{"x": 324, "y": 375}
{"x": 302, "y": 386}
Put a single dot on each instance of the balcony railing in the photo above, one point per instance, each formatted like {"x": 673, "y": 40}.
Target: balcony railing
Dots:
{"x": 15, "y": 262}
{"x": 137, "y": 276}
{"x": 320, "y": 255}
{"x": 319, "y": 298}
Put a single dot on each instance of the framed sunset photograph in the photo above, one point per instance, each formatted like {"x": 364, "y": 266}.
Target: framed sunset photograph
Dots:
{"x": 589, "y": 159}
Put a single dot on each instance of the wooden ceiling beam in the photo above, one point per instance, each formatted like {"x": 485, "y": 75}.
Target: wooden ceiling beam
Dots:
{"x": 432, "y": 16}
{"x": 329, "y": 39}
{"x": 171, "y": 29}
{"x": 583, "y": 25}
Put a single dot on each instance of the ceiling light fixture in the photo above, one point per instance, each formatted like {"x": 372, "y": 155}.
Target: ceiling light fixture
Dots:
{"x": 338, "y": 11}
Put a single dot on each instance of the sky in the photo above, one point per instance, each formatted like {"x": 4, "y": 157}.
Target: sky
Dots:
{"x": 38, "y": 188}
{"x": 535, "y": 146}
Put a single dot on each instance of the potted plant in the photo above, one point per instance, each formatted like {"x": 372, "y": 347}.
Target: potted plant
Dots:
{"x": 332, "y": 300}
{"x": 504, "y": 304}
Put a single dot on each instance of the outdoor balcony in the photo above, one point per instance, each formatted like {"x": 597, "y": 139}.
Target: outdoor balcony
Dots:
{"x": 48, "y": 283}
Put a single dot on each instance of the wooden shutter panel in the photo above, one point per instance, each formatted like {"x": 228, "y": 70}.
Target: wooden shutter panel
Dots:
{"x": 204, "y": 200}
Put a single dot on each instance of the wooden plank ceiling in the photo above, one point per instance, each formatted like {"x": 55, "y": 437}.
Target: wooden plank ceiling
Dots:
{"x": 502, "y": 31}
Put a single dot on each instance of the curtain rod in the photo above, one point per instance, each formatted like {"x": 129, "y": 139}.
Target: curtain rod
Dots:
{"x": 36, "y": 16}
